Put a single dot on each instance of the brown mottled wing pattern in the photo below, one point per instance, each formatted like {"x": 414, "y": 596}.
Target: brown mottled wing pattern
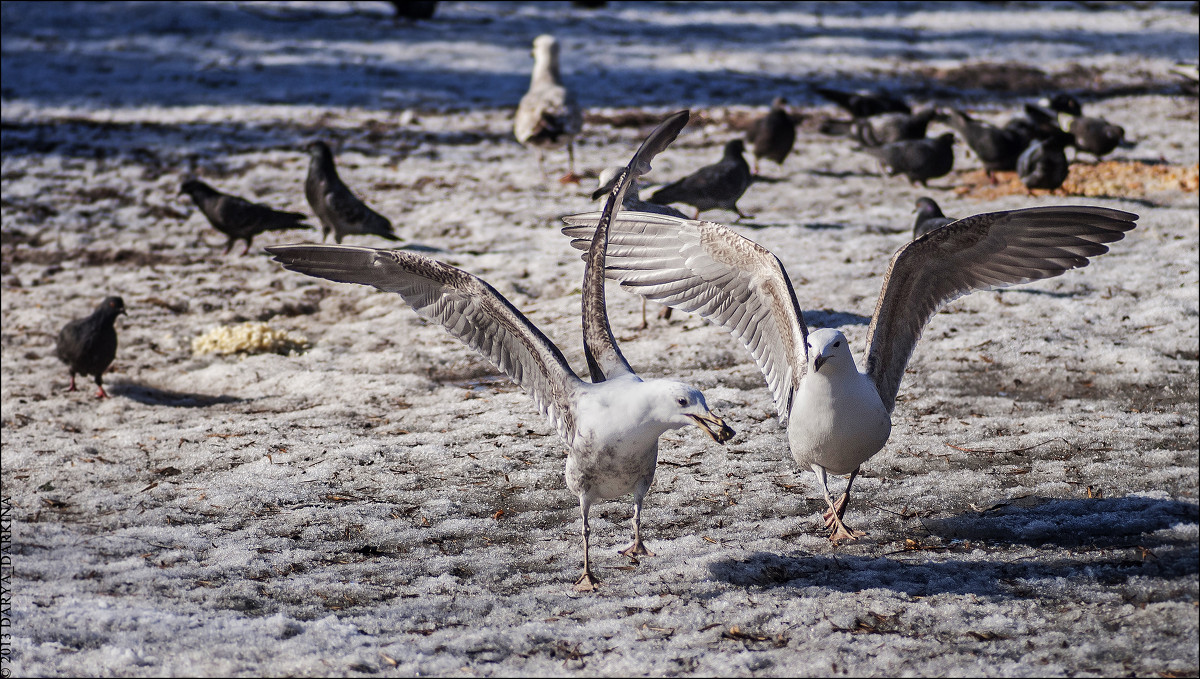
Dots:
{"x": 983, "y": 252}
{"x": 470, "y": 309}
{"x": 604, "y": 358}
{"x": 705, "y": 268}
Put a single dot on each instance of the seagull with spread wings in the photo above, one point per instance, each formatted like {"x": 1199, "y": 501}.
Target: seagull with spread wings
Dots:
{"x": 836, "y": 416}
{"x": 610, "y": 425}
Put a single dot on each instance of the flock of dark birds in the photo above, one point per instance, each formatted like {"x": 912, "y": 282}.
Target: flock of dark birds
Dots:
{"x": 812, "y": 375}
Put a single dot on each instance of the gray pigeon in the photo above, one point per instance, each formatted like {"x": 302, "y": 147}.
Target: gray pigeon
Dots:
{"x": 88, "y": 345}
{"x": 997, "y": 147}
{"x": 888, "y": 128}
{"x": 548, "y": 115}
{"x": 339, "y": 210}
{"x": 1044, "y": 164}
{"x": 719, "y": 185}
{"x": 1093, "y": 135}
{"x": 238, "y": 218}
{"x": 919, "y": 160}
{"x": 773, "y": 135}
{"x": 929, "y": 217}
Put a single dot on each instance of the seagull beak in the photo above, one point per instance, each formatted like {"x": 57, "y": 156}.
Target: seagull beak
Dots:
{"x": 714, "y": 427}
{"x": 818, "y": 362}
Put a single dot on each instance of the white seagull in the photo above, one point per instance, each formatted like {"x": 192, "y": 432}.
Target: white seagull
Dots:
{"x": 836, "y": 416}
{"x": 610, "y": 425}
{"x": 548, "y": 115}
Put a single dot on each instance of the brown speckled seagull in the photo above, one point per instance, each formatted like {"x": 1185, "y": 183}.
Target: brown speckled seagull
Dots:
{"x": 610, "y": 425}
{"x": 548, "y": 115}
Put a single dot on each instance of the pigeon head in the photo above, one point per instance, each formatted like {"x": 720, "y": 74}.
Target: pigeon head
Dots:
{"x": 1065, "y": 103}
{"x": 318, "y": 149}
{"x": 926, "y": 207}
{"x": 194, "y": 187}
{"x": 679, "y": 405}
{"x": 946, "y": 139}
{"x": 735, "y": 148}
{"x": 779, "y": 102}
{"x": 111, "y": 307}
{"x": 829, "y": 350}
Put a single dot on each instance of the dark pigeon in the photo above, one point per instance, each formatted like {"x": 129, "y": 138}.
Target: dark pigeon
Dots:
{"x": 929, "y": 217}
{"x": 1096, "y": 136}
{"x": 773, "y": 135}
{"x": 88, "y": 345}
{"x": 1044, "y": 164}
{"x": 719, "y": 185}
{"x": 1092, "y": 135}
{"x": 1037, "y": 123}
{"x": 889, "y": 128}
{"x": 237, "y": 218}
{"x": 864, "y": 104}
{"x": 997, "y": 147}
{"x": 919, "y": 160}
{"x": 339, "y": 210}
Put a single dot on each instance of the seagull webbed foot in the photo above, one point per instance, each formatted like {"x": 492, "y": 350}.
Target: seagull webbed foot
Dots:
{"x": 636, "y": 549}
{"x": 570, "y": 178}
{"x": 587, "y": 582}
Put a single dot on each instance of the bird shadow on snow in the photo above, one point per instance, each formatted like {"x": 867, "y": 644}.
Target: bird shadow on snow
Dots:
{"x": 153, "y": 396}
{"x": 1099, "y": 531}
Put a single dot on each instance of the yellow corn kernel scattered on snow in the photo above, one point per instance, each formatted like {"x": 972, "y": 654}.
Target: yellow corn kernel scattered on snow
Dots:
{"x": 248, "y": 338}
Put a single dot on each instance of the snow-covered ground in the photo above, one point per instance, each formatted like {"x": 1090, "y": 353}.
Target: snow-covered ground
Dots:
{"x": 383, "y": 503}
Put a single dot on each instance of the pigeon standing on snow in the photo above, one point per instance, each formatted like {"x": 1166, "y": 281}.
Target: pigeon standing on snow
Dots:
{"x": 719, "y": 185}
{"x": 88, "y": 345}
{"x": 237, "y": 218}
{"x": 339, "y": 210}
{"x": 997, "y": 147}
{"x": 548, "y": 116}
{"x": 1092, "y": 135}
{"x": 919, "y": 160}
{"x": 929, "y": 217}
{"x": 1044, "y": 164}
{"x": 889, "y": 128}
{"x": 773, "y": 135}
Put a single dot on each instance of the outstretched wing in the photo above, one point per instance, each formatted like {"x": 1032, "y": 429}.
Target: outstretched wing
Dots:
{"x": 604, "y": 358}
{"x": 705, "y": 268}
{"x": 982, "y": 252}
{"x": 470, "y": 309}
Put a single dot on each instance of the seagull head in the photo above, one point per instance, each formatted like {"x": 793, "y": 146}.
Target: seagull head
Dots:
{"x": 680, "y": 405}
{"x": 829, "y": 350}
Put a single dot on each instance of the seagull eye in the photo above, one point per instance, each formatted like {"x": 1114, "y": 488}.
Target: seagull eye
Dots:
{"x": 837, "y": 344}
{"x": 681, "y": 401}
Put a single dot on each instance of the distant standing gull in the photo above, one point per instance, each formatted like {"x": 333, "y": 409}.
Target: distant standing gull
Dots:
{"x": 773, "y": 135}
{"x": 88, "y": 345}
{"x": 610, "y": 425}
{"x": 929, "y": 217}
{"x": 548, "y": 116}
{"x": 836, "y": 416}
{"x": 238, "y": 218}
{"x": 719, "y": 185}
{"x": 339, "y": 210}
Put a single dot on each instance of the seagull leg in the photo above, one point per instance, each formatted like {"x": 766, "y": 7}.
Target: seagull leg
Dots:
{"x": 586, "y": 582}
{"x": 637, "y": 548}
{"x": 644, "y": 324}
{"x": 842, "y": 501}
{"x": 570, "y": 177}
{"x": 665, "y": 313}
{"x": 833, "y": 518}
